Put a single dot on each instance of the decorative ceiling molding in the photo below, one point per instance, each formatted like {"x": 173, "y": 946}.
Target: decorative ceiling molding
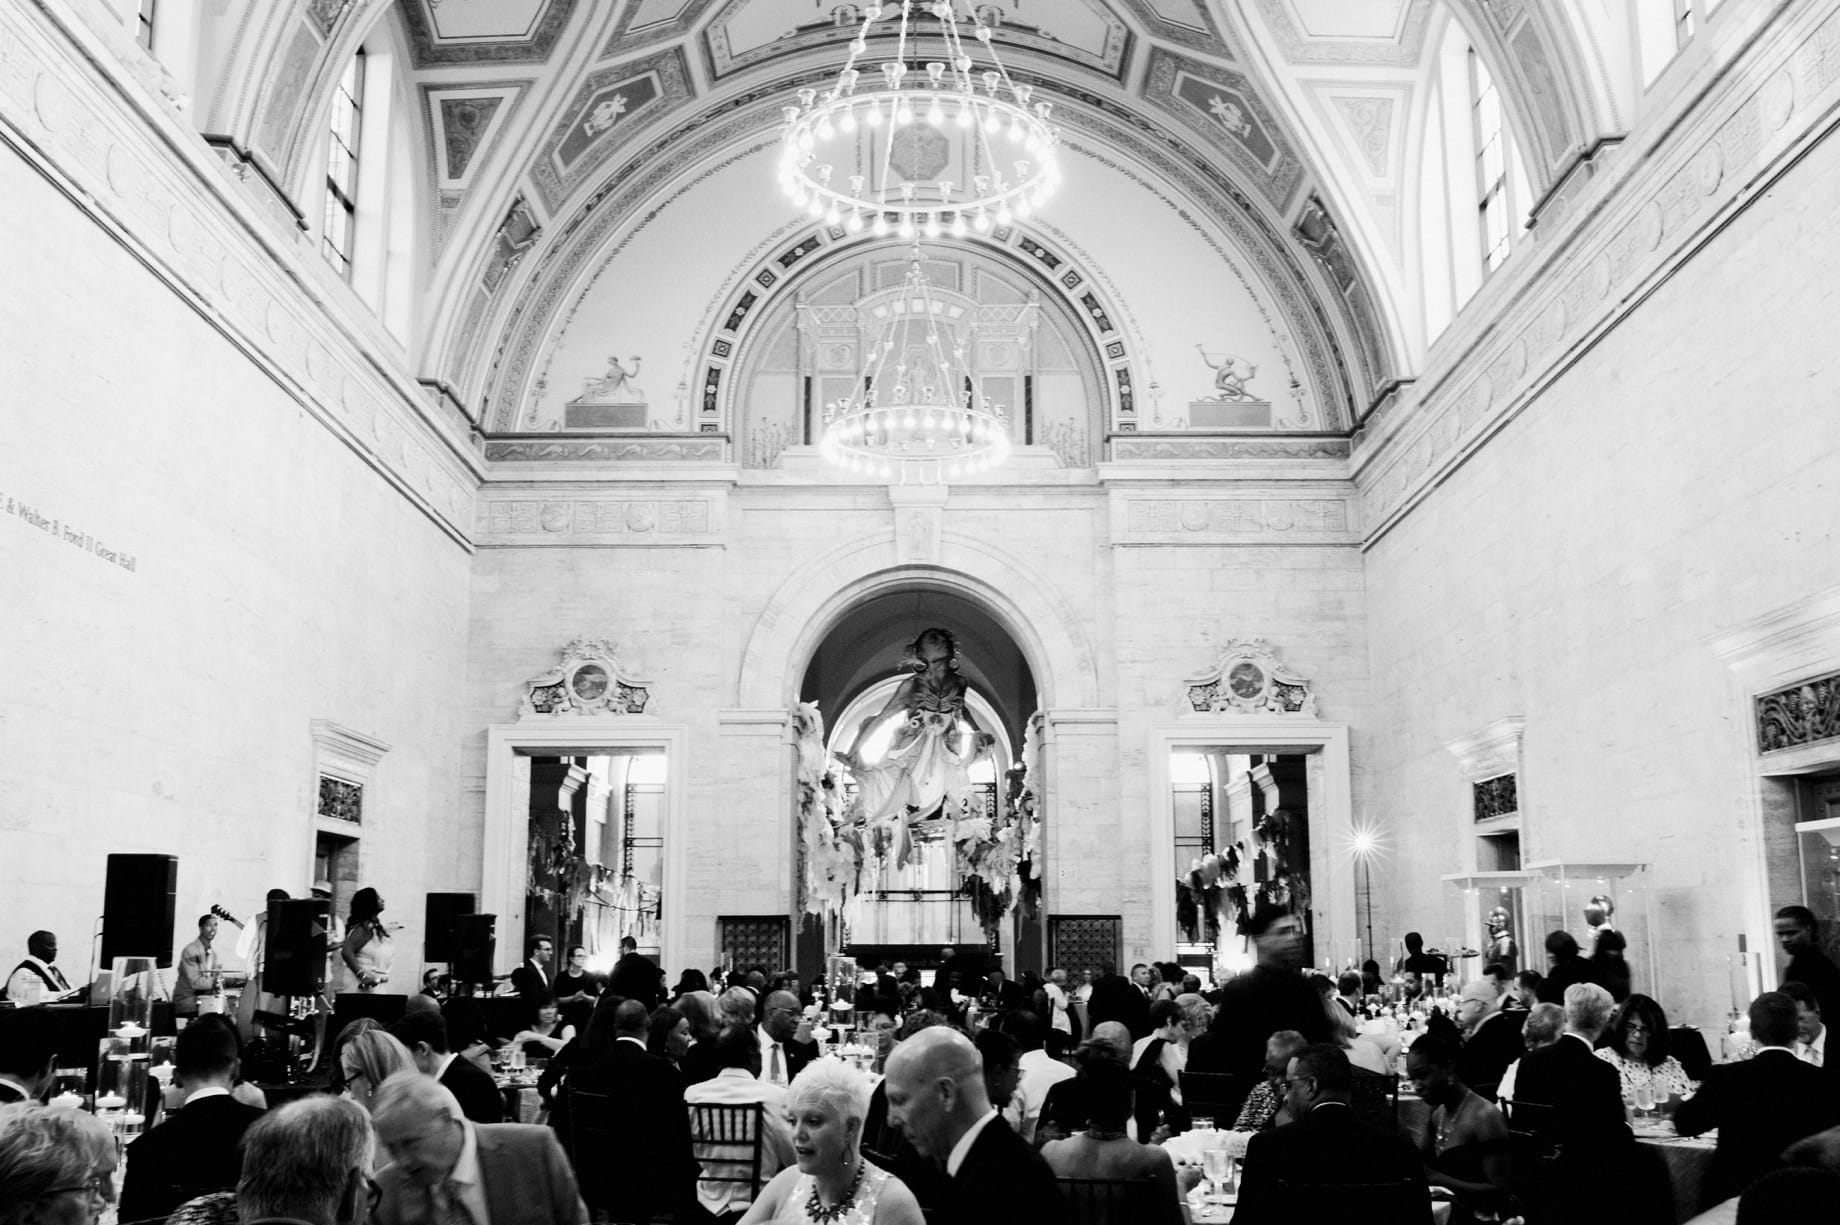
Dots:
{"x": 646, "y": 23}
{"x": 1223, "y": 106}
{"x": 532, "y": 47}
{"x": 462, "y": 123}
{"x": 1189, "y": 23}
{"x": 607, "y": 112}
{"x": 1299, "y": 47}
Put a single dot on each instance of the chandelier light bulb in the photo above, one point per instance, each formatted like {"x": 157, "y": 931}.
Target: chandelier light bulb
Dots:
{"x": 958, "y": 226}
{"x": 816, "y": 207}
{"x": 832, "y": 216}
{"x": 847, "y": 121}
{"x": 855, "y": 223}
{"x": 906, "y": 228}
{"x": 1004, "y": 216}
{"x": 992, "y": 124}
{"x": 936, "y": 114}
{"x": 879, "y": 227}
{"x": 904, "y": 114}
{"x": 964, "y": 117}
{"x": 874, "y": 116}
{"x": 981, "y": 222}
{"x": 932, "y": 225}
{"x": 1024, "y": 208}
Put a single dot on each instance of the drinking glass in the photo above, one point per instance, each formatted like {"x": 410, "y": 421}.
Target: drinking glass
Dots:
{"x": 1645, "y": 1100}
{"x": 1214, "y": 1163}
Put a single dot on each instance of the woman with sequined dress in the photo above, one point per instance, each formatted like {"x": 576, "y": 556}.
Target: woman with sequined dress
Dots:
{"x": 832, "y": 1183}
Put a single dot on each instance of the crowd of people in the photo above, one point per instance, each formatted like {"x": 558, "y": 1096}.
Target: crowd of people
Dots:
{"x": 982, "y": 1100}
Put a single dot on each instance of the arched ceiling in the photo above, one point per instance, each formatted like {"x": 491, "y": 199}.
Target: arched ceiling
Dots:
{"x": 554, "y": 130}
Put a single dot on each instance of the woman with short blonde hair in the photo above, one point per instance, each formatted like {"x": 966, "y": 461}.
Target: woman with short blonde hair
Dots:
{"x": 826, "y": 1104}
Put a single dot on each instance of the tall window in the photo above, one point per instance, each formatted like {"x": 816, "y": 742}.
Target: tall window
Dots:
{"x": 1683, "y": 22}
{"x": 340, "y": 220}
{"x": 1491, "y": 164}
{"x": 143, "y": 32}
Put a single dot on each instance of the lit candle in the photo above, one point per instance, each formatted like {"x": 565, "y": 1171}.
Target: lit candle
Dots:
{"x": 73, "y": 1101}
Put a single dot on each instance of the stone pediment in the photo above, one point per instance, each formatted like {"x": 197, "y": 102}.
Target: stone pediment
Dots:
{"x": 1247, "y": 679}
{"x": 590, "y": 680}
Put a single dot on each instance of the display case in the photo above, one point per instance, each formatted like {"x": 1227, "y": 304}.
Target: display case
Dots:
{"x": 1488, "y": 916}
{"x": 1820, "y": 847}
{"x": 1584, "y": 898}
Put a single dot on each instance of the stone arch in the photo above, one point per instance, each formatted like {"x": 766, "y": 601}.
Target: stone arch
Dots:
{"x": 1041, "y": 621}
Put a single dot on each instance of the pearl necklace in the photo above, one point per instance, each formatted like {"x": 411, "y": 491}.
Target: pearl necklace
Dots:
{"x": 815, "y": 1209}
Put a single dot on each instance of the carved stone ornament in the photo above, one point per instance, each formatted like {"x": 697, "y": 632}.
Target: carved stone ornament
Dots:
{"x": 1247, "y": 679}
{"x": 590, "y": 680}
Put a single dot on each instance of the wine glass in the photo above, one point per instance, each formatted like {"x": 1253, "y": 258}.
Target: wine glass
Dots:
{"x": 1214, "y": 1163}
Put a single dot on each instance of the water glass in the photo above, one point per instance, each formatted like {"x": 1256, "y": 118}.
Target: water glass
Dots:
{"x": 1216, "y": 1165}
{"x": 1645, "y": 1100}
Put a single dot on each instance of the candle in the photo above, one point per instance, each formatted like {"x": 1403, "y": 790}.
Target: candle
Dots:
{"x": 72, "y": 1101}
{"x": 110, "y": 1101}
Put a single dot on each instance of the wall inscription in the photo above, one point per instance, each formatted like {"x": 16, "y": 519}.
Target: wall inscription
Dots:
{"x": 30, "y": 516}
{"x": 600, "y": 517}
{"x": 1235, "y": 516}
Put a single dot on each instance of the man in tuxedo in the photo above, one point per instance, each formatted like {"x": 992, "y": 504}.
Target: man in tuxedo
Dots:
{"x": 1267, "y": 998}
{"x": 636, "y": 976}
{"x": 1565, "y": 968}
{"x": 533, "y": 978}
{"x": 36, "y": 980}
{"x": 1584, "y": 1092}
{"x": 647, "y": 1166}
{"x": 445, "y": 1169}
{"x": 1116, "y": 998}
{"x": 1811, "y": 1030}
{"x": 1000, "y": 993}
{"x": 1761, "y": 1105}
{"x": 425, "y": 1034}
{"x": 308, "y": 1162}
{"x": 782, "y": 1056}
{"x": 1324, "y": 1148}
{"x": 28, "y": 1053}
{"x": 199, "y": 1148}
{"x": 1348, "y": 995}
{"x": 936, "y": 1096}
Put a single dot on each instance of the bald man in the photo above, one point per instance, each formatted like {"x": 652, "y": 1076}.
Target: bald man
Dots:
{"x": 782, "y": 1055}
{"x": 936, "y": 1096}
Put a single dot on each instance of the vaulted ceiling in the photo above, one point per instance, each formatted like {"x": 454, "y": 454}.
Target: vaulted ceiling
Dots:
{"x": 1279, "y": 134}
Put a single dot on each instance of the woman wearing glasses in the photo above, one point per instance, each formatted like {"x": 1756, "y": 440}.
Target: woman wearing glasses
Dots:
{"x": 57, "y": 1166}
{"x": 1637, "y": 1047}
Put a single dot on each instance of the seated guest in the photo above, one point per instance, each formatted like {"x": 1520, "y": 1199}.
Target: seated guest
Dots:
{"x": 1761, "y": 1105}
{"x": 547, "y": 1033}
{"x": 648, "y": 1126}
{"x": 1265, "y": 1104}
{"x": 1465, "y": 1148}
{"x": 1371, "y": 982}
{"x": 936, "y": 1097}
{"x": 1543, "y": 1027}
{"x": 57, "y": 1166}
{"x": 738, "y": 1083}
{"x": 197, "y": 1149}
{"x": 690, "y": 980}
{"x": 1348, "y": 994}
{"x": 832, "y": 1181}
{"x": 1497, "y": 1044}
{"x": 1525, "y": 991}
{"x": 782, "y": 1055}
{"x": 699, "y": 1061}
{"x": 737, "y": 1006}
{"x": 1065, "y": 1109}
{"x": 1039, "y": 1070}
{"x": 467, "y": 1033}
{"x": 1104, "y": 1151}
{"x": 1566, "y": 968}
{"x": 1001, "y": 1070}
{"x": 668, "y": 1036}
{"x": 1157, "y": 1060}
{"x": 426, "y": 1037}
{"x": 1325, "y": 1147}
{"x": 445, "y": 1169}
{"x": 28, "y": 1053}
{"x": 309, "y": 1162}
{"x": 883, "y": 1142}
{"x": 1810, "y": 1031}
{"x": 1584, "y": 1092}
{"x": 368, "y": 1060}
{"x": 335, "y": 1058}
{"x": 576, "y": 988}
{"x": 1637, "y": 1047}
{"x": 1479, "y": 1000}
{"x": 1363, "y": 1052}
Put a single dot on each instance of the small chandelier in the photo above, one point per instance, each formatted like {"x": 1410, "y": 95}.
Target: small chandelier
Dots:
{"x": 943, "y": 150}
{"x": 916, "y": 417}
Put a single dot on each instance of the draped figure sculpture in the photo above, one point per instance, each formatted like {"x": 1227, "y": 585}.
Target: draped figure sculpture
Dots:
{"x": 925, "y": 768}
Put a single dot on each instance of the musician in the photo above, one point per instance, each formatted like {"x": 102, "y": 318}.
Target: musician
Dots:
{"x": 36, "y": 980}
{"x": 198, "y": 969}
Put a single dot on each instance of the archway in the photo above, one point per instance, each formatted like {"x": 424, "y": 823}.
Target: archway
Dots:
{"x": 908, "y": 911}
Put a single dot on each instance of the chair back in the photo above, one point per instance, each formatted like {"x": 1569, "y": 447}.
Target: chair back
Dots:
{"x": 736, "y": 1136}
{"x": 1217, "y": 1094}
{"x": 1375, "y": 1099}
{"x": 1108, "y": 1201}
{"x": 590, "y": 1139}
{"x": 1374, "y": 1203}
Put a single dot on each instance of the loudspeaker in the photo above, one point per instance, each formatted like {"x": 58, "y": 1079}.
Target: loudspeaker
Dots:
{"x": 294, "y": 947}
{"x": 349, "y": 1006}
{"x": 475, "y": 943}
{"x": 139, "y": 904}
{"x": 438, "y": 927}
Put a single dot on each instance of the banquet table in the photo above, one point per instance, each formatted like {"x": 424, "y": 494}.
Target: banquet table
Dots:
{"x": 522, "y": 1102}
{"x": 1687, "y": 1160}
{"x": 1185, "y": 1151}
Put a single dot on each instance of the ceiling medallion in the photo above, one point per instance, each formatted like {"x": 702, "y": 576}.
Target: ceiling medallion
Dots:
{"x": 945, "y": 147}
{"x": 916, "y": 416}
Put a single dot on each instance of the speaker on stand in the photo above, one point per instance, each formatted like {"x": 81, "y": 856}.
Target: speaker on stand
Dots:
{"x": 475, "y": 944}
{"x": 439, "y": 929}
{"x": 139, "y": 908}
{"x": 294, "y": 966}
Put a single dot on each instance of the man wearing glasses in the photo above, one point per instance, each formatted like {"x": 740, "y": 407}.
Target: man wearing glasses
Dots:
{"x": 1302, "y": 1171}
{"x": 308, "y": 1163}
{"x": 57, "y": 1166}
{"x": 782, "y": 1056}
{"x": 447, "y": 1171}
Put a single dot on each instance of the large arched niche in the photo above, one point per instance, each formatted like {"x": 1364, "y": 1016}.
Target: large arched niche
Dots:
{"x": 1028, "y": 350}
{"x": 1044, "y": 624}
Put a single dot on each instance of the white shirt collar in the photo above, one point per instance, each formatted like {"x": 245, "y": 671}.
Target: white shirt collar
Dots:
{"x": 24, "y": 1092}
{"x": 965, "y": 1142}
{"x": 198, "y": 1095}
{"x": 736, "y": 1074}
{"x": 638, "y": 1042}
{"x": 1807, "y": 1049}
{"x": 440, "y": 1069}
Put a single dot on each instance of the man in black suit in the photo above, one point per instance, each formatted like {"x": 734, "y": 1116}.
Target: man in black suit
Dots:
{"x": 1761, "y": 1106}
{"x": 1565, "y": 968}
{"x": 1325, "y": 1148}
{"x": 1267, "y": 998}
{"x": 936, "y": 1096}
{"x": 999, "y": 993}
{"x": 28, "y": 1053}
{"x": 1583, "y": 1093}
{"x": 1808, "y": 964}
{"x": 425, "y": 1034}
{"x": 649, "y": 1166}
{"x": 199, "y": 1149}
{"x": 533, "y": 978}
{"x": 1117, "y": 998}
{"x": 636, "y": 976}
{"x": 782, "y": 1055}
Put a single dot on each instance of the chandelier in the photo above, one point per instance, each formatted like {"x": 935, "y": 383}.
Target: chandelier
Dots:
{"x": 940, "y": 149}
{"x": 916, "y": 415}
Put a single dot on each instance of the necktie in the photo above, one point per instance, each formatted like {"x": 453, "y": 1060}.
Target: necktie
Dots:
{"x": 777, "y": 1073}
{"x": 445, "y": 1207}
{"x": 57, "y": 978}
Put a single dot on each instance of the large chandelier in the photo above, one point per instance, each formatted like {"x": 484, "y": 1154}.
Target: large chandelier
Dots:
{"x": 916, "y": 416}
{"x": 945, "y": 147}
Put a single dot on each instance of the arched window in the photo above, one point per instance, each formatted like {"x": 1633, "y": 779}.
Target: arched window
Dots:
{"x": 1472, "y": 182}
